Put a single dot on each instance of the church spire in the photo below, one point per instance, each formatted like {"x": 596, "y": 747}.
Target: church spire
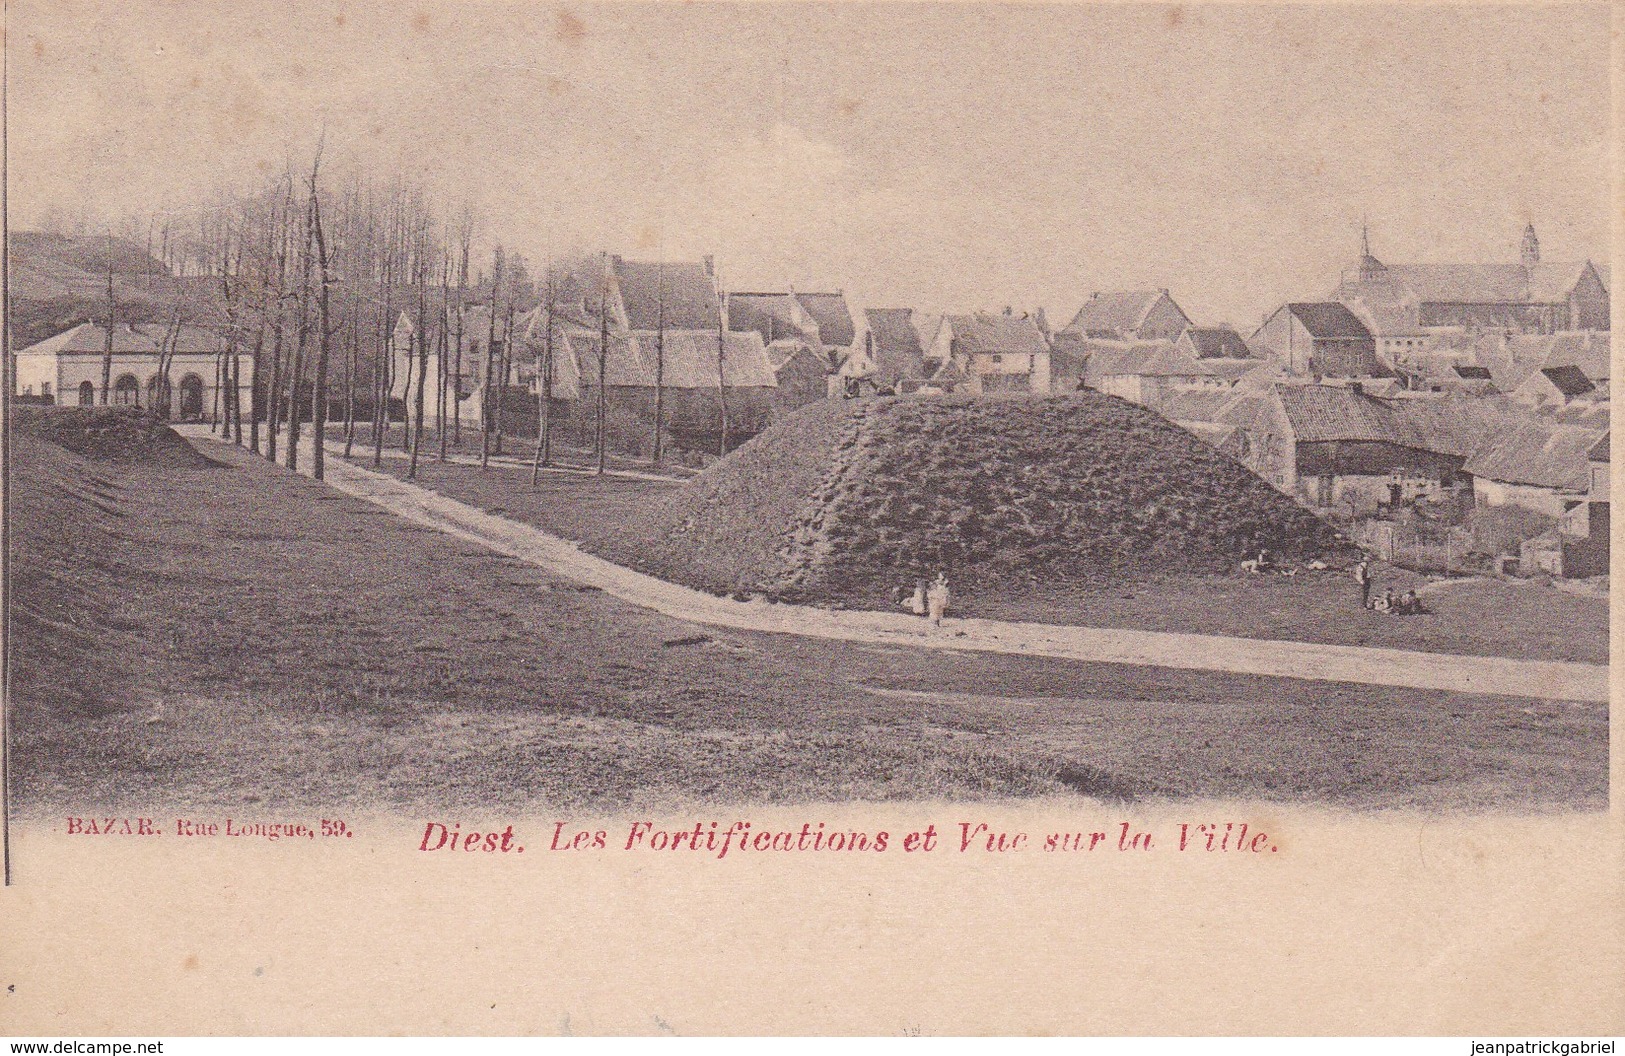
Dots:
{"x": 1530, "y": 251}
{"x": 1370, "y": 268}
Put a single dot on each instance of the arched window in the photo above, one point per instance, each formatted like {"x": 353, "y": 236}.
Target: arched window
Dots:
{"x": 127, "y": 391}
{"x": 191, "y": 397}
{"x": 87, "y": 394}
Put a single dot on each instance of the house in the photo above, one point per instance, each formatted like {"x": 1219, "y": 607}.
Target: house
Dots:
{"x": 892, "y": 348}
{"x": 1586, "y": 552}
{"x": 1335, "y": 447}
{"x": 1146, "y": 372}
{"x": 703, "y": 376}
{"x": 67, "y": 369}
{"x": 1319, "y": 339}
{"x": 1531, "y": 296}
{"x": 995, "y": 353}
{"x": 1542, "y": 465}
{"x": 1555, "y": 386}
{"x": 1127, "y": 315}
{"x": 1213, "y": 342}
{"x": 1512, "y": 358}
{"x": 800, "y": 330}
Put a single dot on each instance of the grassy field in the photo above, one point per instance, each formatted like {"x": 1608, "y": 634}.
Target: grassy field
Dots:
{"x": 1473, "y": 616}
{"x": 230, "y": 634}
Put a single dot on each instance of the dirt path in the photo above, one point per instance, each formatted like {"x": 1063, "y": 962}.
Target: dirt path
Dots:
{"x": 1338, "y": 663}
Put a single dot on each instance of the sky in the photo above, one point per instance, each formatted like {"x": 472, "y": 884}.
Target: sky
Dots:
{"x": 944, "y": 157}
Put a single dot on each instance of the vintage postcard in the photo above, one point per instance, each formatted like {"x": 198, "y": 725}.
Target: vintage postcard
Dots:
{"x": 809, "y": 518}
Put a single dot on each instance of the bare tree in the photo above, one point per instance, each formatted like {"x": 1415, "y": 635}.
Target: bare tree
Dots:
{"x": 112, "y": 321}
{"x": 722, "y": 372}
{"x": 490, "y": 364}
{"x": 544, "y": 388}
{"x": 600, "y": 433}
{"x": 660, "y": 360}
{"x": 324, "y": 333}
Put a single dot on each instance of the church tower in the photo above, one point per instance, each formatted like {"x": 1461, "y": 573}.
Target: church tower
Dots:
{"x": 1531, "y": 247}
{"x": 1370, "y": 267}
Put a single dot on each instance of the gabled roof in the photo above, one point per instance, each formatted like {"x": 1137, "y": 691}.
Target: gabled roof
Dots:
{"x": 1217, "y": 342}
{"x": 1329, "y": 321}
{"x": 1151, "y": 359}
{"x": 691, "y": 359}
{"x": 623, "y": 368}
{"x": 1599, "y": 451}
{"x": 1590, "y": 351}
{"x": 986, "y": 332}
{"x": 833, "y": 316}
{"x": 1570, "y": 381}
{"x": 1471, "y": 371}
{"x": 772, "y": 315}
{"x": 1117, "y": 311}
{"x": 1545, "y": 283}
{"x": 1454, "y": 423}
{"x": 1539, "y": 453}
{"x": 896, "y": 351}
{"x": 679, "y": 294}
{"x": 1552, "y": 283}
{"x": 1321, "y": 413}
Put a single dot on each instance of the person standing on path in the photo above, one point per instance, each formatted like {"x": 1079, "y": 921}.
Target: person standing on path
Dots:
{"x": 1362, "y": 576}
{"x": 936, "y": 599}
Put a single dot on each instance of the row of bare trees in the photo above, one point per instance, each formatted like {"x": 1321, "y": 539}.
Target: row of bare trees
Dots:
{"x": 342, "y": 280}
{"x": 350, "y": 283}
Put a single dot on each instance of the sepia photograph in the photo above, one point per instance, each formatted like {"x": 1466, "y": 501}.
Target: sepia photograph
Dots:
{"x": 790, "y": 434}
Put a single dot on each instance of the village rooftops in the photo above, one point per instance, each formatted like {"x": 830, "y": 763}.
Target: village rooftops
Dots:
{"x": 1160, "y": 359}
{"x": 991, "y": 333}
{"x": 1329, "y": 321}
{"x": 1216, "y": 342}
{"x": 776, "y": 315}
{"x": 1114, "y": 312}
{"x": 148, "y": 338}
{"x": 1540, "y": 453}
{"x": 673, "y": 295}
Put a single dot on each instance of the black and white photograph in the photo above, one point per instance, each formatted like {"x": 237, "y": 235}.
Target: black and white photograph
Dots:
{"x": 731, "y": 428}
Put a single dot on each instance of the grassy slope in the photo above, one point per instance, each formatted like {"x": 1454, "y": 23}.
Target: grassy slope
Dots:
{"x": 731, "y": 528}
{"x": 842, "y": 504}
{"x": 256, "y": 642}
{"x": 1479, "y": 617}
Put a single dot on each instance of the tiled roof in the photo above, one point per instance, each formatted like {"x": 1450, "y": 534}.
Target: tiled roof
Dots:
{"x": 1321, "y": 413}
{"x": 1217, "y": 342}
{"x": 833, "y": 316}
{"x": 986, "y": 332}
{"x": 679, "y": 294}
{"x": 1454, "y": 423}
{"x": 770, "y": 314}
{"x": 897, "y": 352}
{"x": 1570, "y": 381}
{"x": 1153, "y": 359}
{"x": 1540, "y": 453}
{"x": 1118, "y": 311}
{"x": 1329, "y": 320}
{"x": 691, "y": 359}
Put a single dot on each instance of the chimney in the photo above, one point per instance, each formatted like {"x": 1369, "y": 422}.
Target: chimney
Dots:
{"x": 1009, "y": 310}
{"x": 710, "y": 265}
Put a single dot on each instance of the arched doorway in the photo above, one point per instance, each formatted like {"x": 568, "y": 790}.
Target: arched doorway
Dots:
{"x": 191, "y": 398}
{"x": 127, "y": 391}
{"x": 87, "y": 394}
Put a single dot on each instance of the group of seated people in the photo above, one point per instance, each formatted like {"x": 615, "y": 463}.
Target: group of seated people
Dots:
{"x": 1406, "y": 604}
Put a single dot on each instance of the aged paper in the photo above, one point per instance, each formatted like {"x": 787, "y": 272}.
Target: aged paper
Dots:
{"x": 810, "y": 519}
